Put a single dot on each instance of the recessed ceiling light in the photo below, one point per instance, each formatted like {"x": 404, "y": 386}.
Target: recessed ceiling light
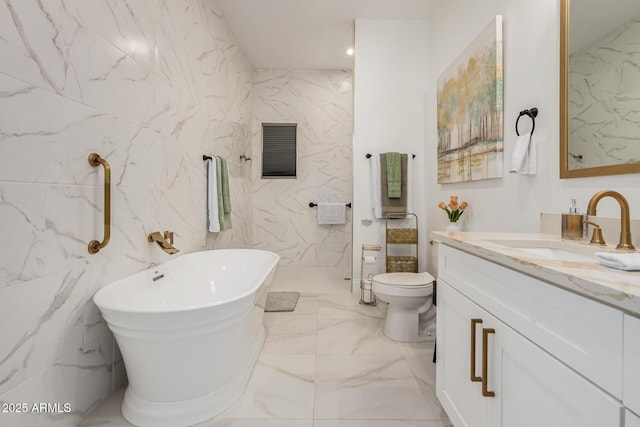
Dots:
{"x": 350, "y": 51}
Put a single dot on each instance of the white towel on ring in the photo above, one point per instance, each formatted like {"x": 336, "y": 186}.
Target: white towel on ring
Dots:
{"x": 630, "y": 261}
{"x": 524, "y": 160}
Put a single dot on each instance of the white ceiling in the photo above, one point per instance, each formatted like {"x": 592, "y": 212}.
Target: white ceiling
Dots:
{"x": 308, "y": 34}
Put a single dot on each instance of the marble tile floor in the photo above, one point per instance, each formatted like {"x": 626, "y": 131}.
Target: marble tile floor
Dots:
{"x": 326, "y": 364}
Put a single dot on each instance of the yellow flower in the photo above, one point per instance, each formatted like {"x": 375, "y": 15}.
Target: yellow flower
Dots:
{"x": 442, "y": 206}
{"x": 453, "y": 205}
{"x": 454, "y": 199}
{"x": 463, "y": 205}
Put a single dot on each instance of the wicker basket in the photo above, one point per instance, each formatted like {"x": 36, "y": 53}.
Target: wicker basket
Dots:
{"x": 402, "y": 264}
{"x": 402, "y": 236}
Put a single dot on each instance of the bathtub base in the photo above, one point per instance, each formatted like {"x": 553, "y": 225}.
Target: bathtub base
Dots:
{"x": 145, "y": 413}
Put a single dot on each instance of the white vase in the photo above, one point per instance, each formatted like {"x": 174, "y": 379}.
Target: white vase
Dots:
{"x": 453, "y": 226}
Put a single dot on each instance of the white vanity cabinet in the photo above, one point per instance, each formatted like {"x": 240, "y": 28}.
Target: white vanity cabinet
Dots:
{"x": 530, "y": 350}
{"x": 632, "y": 363}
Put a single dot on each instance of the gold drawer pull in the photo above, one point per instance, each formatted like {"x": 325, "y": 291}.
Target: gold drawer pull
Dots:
{"x": 474, "y": 323}
{"x": 485, "y": 362}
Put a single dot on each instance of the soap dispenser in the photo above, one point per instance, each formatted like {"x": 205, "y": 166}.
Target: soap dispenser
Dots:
{"x": 573, "y": 226}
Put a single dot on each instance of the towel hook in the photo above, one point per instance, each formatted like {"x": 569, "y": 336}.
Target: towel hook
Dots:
{"x": 532, "y": 113}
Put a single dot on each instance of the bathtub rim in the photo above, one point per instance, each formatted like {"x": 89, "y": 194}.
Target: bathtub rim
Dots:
{"x": 120, "y": 309}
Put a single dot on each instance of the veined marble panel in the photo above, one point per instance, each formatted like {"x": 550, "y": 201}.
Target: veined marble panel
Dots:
{"x": 149, "y": 85}
{"x": 320, "y": 102}
{"x": 128, "y": 25}
{"x": 281, "y": 386}
{"x": 354, "y": 337}
{"x": 79, "y": 379}
{"x": 604, "y": 93}
{"x": 367, "y": 387}
{"x": 38, "y": 45}
{"x": 290, "y": 334}
{"x": 21, "y": 209}
{"x": 43, "y": 320}
{"x": 304, "y": 96}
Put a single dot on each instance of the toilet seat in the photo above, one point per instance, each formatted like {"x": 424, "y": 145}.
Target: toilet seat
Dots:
{"x": 405, "y": 280}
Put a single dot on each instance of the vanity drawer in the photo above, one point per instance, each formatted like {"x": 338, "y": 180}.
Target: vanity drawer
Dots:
{"x": 631, "y": 390}
{"x": 582, "y": 333}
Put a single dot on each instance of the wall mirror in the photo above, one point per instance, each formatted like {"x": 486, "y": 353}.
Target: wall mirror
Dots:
{"x": 599, "y": 87}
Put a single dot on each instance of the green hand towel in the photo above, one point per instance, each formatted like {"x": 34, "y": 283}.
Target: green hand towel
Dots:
{"x": 226, "y": 198}
{"x": 224, "y": 218}
{"x": 394, "y": 175}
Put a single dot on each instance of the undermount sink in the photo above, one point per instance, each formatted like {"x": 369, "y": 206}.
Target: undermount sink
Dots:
{"x": 552, "y": 250}
{"x": 558, "y": 254}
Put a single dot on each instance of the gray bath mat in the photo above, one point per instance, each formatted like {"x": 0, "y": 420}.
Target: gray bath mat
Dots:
{"x": 281, "y": 301}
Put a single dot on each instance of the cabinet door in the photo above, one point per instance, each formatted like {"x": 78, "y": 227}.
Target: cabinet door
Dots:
{"x": 631, "y": 387}
{"x": 533, "y": 388}
{"x": 460, "y": 397}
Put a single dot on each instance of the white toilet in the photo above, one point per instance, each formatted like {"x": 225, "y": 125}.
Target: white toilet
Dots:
{"x": 408, "y": 295}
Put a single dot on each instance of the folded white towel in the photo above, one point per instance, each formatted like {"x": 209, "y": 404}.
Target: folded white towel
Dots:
{"x": 524, "y": 160}
{"x": 630, "y": 261}
{"x": 212, "y": 197}
{"x": 376, "y": 185}
{"x": 332, "y": 213}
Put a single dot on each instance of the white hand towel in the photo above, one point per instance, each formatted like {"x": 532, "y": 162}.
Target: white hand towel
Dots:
{"x": 530, "y": 166}
{"x": 524, "y": 160}
{"x": 376, "y": 185}
{"x": 332, "y": 213}
{"x": 409, "y": 182}
{"x": 629, "y": 261}
{"x": 212, "y": 197}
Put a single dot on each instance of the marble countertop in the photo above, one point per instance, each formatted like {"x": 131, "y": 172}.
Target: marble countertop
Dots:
{"x": 581, "y": 274}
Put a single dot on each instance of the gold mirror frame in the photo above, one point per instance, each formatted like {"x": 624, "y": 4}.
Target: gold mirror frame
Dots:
{"x": 565, "y": 172}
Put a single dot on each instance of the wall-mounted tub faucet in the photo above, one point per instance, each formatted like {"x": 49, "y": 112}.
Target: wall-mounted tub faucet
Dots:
{"x": 165, "y": 242}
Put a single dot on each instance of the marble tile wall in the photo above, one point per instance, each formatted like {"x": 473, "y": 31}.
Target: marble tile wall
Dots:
{"x": 321, "y": 103}
{"x": 604, "y": 88}
{"x": 150, "y": 85}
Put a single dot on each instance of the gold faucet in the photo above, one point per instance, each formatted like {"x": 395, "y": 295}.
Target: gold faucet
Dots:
{"x": 625, "y": 227}
{"x": 165, "y": 242}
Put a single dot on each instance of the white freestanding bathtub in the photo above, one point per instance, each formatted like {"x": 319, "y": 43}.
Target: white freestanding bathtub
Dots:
{"x": 190, "y": 331}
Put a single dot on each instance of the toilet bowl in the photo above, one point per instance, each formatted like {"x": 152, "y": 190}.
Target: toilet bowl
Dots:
{"x": 408, "y": 294}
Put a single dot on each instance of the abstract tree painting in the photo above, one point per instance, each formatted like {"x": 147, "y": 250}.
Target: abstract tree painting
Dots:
{"x": 470, "y": 111}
